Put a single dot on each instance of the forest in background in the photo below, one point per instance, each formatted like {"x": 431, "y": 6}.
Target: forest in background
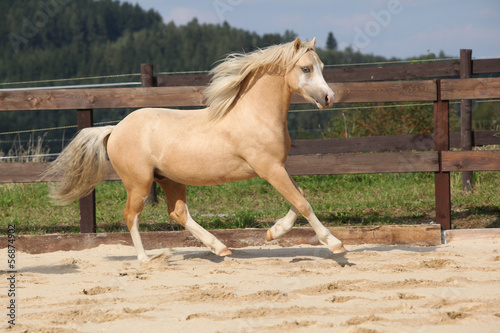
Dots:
{"x": 85, "y": 38}
{"x": 55, "y": 39}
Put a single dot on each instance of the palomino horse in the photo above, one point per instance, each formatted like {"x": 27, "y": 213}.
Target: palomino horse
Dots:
{"x": 241, "y": 134}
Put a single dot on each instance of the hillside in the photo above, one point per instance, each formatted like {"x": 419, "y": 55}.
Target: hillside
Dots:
{"x": 62, "y": 39}
{"x": 54, "y": 39}
{"x": 46, "y": 40}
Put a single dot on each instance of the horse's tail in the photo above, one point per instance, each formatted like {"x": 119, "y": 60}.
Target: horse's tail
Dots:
{"x": 81, "y": 165}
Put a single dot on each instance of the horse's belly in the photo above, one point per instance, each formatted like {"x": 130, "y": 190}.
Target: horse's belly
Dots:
{"x": 205, "y": 169}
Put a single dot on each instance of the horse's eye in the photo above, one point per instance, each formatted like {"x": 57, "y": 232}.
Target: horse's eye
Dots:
{"x": 306, "y": 70}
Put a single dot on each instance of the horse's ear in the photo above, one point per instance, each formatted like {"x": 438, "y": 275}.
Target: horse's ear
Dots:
{"x": 297, "y": 44}
{"x": 313, "y": 42}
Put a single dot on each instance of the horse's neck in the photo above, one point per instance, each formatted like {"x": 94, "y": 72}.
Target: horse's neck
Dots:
{"x": 266, "y": 96}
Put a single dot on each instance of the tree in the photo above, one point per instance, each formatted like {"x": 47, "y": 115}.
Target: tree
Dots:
{"x": 331, "y": 42}
{"x": 289, "y": 36}
{"x": 86, "y": 38}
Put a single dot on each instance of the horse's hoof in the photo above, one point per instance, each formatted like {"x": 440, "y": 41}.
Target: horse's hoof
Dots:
{"x": 269, "y": 235}
{"x": 337, "y": 249}
{"x": 144, "y": 260}
{"x": 225, "y": 252}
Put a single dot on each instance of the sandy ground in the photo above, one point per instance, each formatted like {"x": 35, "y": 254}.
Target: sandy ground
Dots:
{"x": 448, "y": 288}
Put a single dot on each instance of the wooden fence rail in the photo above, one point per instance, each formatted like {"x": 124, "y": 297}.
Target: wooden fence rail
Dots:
{"x": 326, "y": 156}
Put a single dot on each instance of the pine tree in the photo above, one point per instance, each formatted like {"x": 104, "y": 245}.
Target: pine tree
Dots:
{"x": 331, "y": 42}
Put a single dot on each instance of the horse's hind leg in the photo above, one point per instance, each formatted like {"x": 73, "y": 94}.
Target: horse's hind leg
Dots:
{"x": 136, "y": 197}
{"x": 178, "y": 211}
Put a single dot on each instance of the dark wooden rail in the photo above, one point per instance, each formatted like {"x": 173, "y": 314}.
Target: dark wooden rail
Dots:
{"x": 403, "y": 153}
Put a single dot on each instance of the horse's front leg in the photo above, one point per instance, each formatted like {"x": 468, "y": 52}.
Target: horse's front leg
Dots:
{"x": 283, "y": 225}
{"x": 279, "y": 178}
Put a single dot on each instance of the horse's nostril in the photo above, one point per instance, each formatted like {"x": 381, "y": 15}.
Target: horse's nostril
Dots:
{"x": 328, "y": 100}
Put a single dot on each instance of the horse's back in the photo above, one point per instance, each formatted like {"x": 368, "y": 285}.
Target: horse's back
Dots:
{"x": 181, "y": 145}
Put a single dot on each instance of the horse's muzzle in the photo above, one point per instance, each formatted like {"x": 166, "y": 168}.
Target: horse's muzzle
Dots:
{"x": 325, "y": 98}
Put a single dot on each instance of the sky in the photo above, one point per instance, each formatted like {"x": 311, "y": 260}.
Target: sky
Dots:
{"x": 390, "y": 28}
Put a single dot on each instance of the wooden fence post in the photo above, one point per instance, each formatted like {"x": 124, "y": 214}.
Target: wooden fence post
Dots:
{"x": 148, "y": 80}
{"x": 442, "y": 143}
{"x": 466, "y": 135}
{"x": 85, "y": 118}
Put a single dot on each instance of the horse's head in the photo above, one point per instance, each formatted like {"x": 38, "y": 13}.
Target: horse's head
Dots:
{"x": 306, "y": 76}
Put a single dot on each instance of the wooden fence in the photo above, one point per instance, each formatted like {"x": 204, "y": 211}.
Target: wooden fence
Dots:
{"x": 395, "y": 83}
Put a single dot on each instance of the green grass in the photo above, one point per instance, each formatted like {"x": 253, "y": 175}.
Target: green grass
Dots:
{"x": 337, "y": 200}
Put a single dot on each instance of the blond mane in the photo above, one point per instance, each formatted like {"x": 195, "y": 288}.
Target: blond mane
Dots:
{"x": 228, "y": 75}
